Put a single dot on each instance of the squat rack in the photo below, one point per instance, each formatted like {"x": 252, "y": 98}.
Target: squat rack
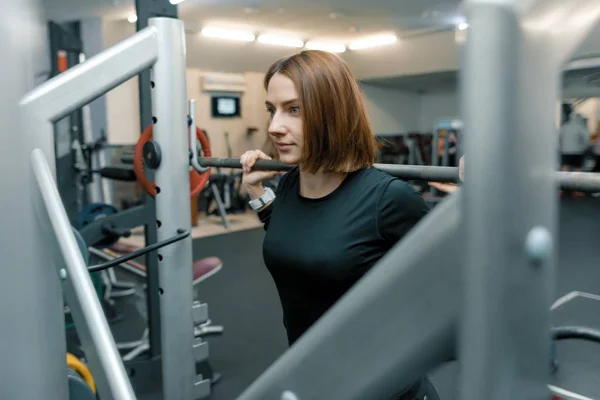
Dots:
{"x": 161, "y": 47}
{"x": 506, "y": 215}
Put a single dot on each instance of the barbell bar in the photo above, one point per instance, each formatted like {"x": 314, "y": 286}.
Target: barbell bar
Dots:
{"x": 408, "y": 172}
{"x": 577, "y": 181}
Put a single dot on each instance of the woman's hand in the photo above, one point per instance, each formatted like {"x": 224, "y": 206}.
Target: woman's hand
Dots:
{"x": 252, "y": 179}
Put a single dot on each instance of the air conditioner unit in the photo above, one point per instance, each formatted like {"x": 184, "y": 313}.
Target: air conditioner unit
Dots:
{"x": 223, "y": 82}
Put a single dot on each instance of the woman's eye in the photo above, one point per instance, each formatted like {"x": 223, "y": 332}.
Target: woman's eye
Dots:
{"x": 271, "y": 111}
{"x": 295, "y": 110}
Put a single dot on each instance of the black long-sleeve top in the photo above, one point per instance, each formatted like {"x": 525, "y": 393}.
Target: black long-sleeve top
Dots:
{"x": 316, "y": 249}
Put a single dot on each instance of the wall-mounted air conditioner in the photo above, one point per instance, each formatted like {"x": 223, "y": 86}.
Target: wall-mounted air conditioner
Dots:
{"x": 223, "y": 82}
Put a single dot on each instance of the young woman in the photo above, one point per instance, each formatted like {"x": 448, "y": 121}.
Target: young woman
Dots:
{"x": 333, "y": 216}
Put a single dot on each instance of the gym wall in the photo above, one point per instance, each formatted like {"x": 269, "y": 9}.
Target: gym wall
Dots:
{"x": 122, "y": 106}
{"x": 589, "y": 109}
{"x": 122, "y": 103}
{"x": 434, "y": 106}
{"x": 391, "y": 111}
{"x": 253, "y": 115}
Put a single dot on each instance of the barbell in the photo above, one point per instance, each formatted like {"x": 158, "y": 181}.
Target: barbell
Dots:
{"x": 580, "y": 181}
{"x": 577, "y": 181}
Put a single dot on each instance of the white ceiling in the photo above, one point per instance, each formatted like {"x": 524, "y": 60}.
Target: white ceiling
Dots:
{"x": 341, "y": 19}
{"x": 329, "y": 18}
{"x": 334, "y": 20}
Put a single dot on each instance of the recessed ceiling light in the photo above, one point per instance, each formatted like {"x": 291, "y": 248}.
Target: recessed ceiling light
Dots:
{"x": 228, "y": 34}
{"x": 330, "y": 47}
{"x": 132, "y": 18}
{"x": 280, "y": 41}
{"x": 372, "y": 41}
{"x": 462, "y": 26}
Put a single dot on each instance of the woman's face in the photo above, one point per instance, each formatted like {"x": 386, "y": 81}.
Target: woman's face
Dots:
{"x": 285, "y": 125}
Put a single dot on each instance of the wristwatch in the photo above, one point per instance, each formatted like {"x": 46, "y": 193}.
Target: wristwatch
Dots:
{"x": 266, "y": 197}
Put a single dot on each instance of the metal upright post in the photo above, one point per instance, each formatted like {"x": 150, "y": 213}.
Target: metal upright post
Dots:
{"x": 510, "y": 86}
{"x": 31, "y": 317}
{"x": 170, "y": 132}
{"x": 435, "y": 157}
{"x": 145, "y": 10}
{"x": 93, "y": 330}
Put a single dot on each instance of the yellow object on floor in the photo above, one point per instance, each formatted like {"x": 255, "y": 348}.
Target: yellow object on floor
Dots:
{"x": 75, "y": 364}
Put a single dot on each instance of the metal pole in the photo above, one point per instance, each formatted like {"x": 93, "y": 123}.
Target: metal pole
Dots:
{"x": 93, "y": 330}
{"x": 435, "y": 157}
{"x": 31, "y": 317}
{"x": 493, "y": 335}
{"x": 446, "y": 155}
{"x": 146, "y": 9}
{"x": 169, "y": 105}
{"x": 510, "y": 86}
{"x": 583, "y": 181}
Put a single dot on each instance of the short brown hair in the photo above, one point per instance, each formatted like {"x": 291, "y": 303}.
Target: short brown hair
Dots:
{"x": 337, "y": 134}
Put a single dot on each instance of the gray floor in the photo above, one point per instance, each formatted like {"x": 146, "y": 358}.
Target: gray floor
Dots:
{"x": 243, "y": 298}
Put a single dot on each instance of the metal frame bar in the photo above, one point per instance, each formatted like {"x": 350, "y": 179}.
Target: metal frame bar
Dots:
{"x": 584, "y": 181}
{"x": 146, "y": 9}
{"x": 512, "y": 64}
{"x": 169, "y": 107}
{"x": 126, "y": 219}
{"x": 96, "y": 338}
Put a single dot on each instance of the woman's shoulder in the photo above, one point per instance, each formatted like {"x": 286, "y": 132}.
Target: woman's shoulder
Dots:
{"x": 378, "y": 181}
{"x": 374, "y": 177}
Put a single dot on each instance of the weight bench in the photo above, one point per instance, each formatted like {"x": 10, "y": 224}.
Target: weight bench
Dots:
{"x": 202, "y": 270}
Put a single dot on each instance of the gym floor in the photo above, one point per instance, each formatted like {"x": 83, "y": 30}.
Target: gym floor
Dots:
{"x": 243, "y": 298}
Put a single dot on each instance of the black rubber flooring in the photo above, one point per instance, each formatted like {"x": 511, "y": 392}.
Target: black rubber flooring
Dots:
{"x": 242, "y": 298}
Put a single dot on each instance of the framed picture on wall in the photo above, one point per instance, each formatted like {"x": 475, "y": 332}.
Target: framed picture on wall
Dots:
{"x": 225, "y": 107}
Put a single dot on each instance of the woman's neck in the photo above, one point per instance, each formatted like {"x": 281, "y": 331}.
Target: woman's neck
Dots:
{"x": 320, "y": 184}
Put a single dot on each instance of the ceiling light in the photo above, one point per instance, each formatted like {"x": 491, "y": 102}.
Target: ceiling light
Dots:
{"x": 176, "y": 1}
{"x": 132, "y": 18}
{"x": 330, "y": 47}
{"x": 228, "y": 34}
{"x": 372, "y": 41}
{"x": 463, "y": 26}
{"x": 280, "y": 41}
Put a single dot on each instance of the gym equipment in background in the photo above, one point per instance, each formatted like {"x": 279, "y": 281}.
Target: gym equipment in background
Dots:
{"x": 109, "y": 230}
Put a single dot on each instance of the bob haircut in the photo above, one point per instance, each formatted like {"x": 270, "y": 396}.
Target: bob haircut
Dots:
{"x": 337, "y": 134}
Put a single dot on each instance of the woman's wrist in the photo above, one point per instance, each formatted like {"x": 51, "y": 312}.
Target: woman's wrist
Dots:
{"x": 255, "y": 191}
